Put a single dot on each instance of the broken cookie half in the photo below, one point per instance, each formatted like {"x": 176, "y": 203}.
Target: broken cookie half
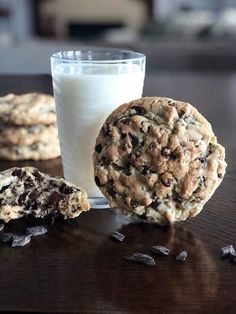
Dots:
{"x": 27, "y": 191}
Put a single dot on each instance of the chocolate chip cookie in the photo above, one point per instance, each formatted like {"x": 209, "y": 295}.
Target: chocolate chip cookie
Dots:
{"x": 27, "y": 135}
{"x": 158, "y": 159}
{"x": 27, "y": 191}
{"x": 28, "y": 109}
{"x": 36, "y": 151}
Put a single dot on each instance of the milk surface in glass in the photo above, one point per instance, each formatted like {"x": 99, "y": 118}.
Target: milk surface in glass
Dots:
{"x": 85, "y": 96}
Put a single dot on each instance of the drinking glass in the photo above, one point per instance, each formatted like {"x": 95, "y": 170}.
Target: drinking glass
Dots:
{"x": 88, "y": 85}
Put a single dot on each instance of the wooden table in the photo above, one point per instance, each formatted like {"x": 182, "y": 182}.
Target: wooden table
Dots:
{"x": 77, "y": 268}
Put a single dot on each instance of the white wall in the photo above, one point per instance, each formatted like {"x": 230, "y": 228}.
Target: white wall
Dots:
{"x": 20, "y": 20}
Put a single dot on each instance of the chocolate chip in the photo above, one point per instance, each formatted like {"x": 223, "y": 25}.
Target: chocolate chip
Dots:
{"x": 202, "y": 179}
{"x": 155, "y": 203}
{"x": 54, "y": 199}
{"x": 37, "y": 175}
{"x": 133, "y": 203}
{"x": 17, "y": 151}
{"x": 66, "y": 189}
{"x": 220, "y": 175}
{"x": 181, "y": 113}
{"x": 117, "y": 167}
{"x": 211, "y": 148}
{"x": 141, "y": 259}
{"x": 31, "y": 205}
{"x": 53, "y": 184}
{"x": 2, "y": 201}
{"x": 18, "y": 172}
{"x": 139, "y": 110}
{"x": 118, "y": 236}
{"x": 123, "y": 135}
{"x": 111, "y": 192}
{"x": 34, "y": 195}
{"x": 110, "y": 189}
{"x": 127, "y": 170}
{"x": 182, "y": 256}
{"x": 1, "y": 227}
{"x": 105, "y": 160}
{"x": 227, "y": 250}
{"x": 97, "y": 181}
{"x": 202, "y": 160}
{"x": 152, "y": 145}
{"x": 5, "y": 188}
{"x": 165, "y": 152}
{"x": 173, "y": 155}
{"x": 170, "y": 103}
{"x": 98, "y": 148}
{"x": 22, "y": 198}
{"x": 145, "y": 170}
{"x": 176, "y": 197}
{"x": 14, "y": 190}
{"x": 160, "y": 250}
{"x": 233, "y": 257}
{"x": 29, "y": 183}
{"x": 125, "y": 121}
{"x": 36, "y": 231}
{"x": 134, "y": 140}
{"x": 166, "y": 182}
{"x": 44, "y": 208}
{"x": 197, "y": 190}
{"x": 142, "y": 128}
{"x": 6, "y": 237}
{"x": 105, "y": 130}
{"x": 21, "y": 240}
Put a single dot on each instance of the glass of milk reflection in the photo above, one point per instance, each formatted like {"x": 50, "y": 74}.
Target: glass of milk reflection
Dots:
{"x": 88, "y": 86}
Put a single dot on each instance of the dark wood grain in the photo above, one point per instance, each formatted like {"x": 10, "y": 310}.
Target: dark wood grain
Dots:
{"x": 78, "y": 268}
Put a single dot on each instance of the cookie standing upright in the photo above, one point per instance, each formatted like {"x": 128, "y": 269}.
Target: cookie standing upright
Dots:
{"x": 158, "y": 159}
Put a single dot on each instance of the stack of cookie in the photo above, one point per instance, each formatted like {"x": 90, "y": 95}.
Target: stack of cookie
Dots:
{"x": 28, "y": 127}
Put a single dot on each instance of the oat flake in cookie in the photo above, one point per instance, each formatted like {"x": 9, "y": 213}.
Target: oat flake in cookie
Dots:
{"x": 27, "y": 191}
{"x": 158, "y": 159}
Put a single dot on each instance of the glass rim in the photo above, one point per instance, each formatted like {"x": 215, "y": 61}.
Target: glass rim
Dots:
{"x": 73, "y": 55}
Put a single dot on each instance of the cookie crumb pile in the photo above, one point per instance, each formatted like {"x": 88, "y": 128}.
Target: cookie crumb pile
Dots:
{"x": 28, "y": 127}
{"x": 158, "y": 160}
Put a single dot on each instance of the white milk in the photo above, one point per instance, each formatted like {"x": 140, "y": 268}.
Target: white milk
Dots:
{"x": 84, "y": 98}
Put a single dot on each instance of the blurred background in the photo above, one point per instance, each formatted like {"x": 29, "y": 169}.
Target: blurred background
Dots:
{"x": 175, "y": 35}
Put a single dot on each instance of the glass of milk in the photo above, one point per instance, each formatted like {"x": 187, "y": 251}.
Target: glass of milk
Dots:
{"x": 88, "y": 86}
